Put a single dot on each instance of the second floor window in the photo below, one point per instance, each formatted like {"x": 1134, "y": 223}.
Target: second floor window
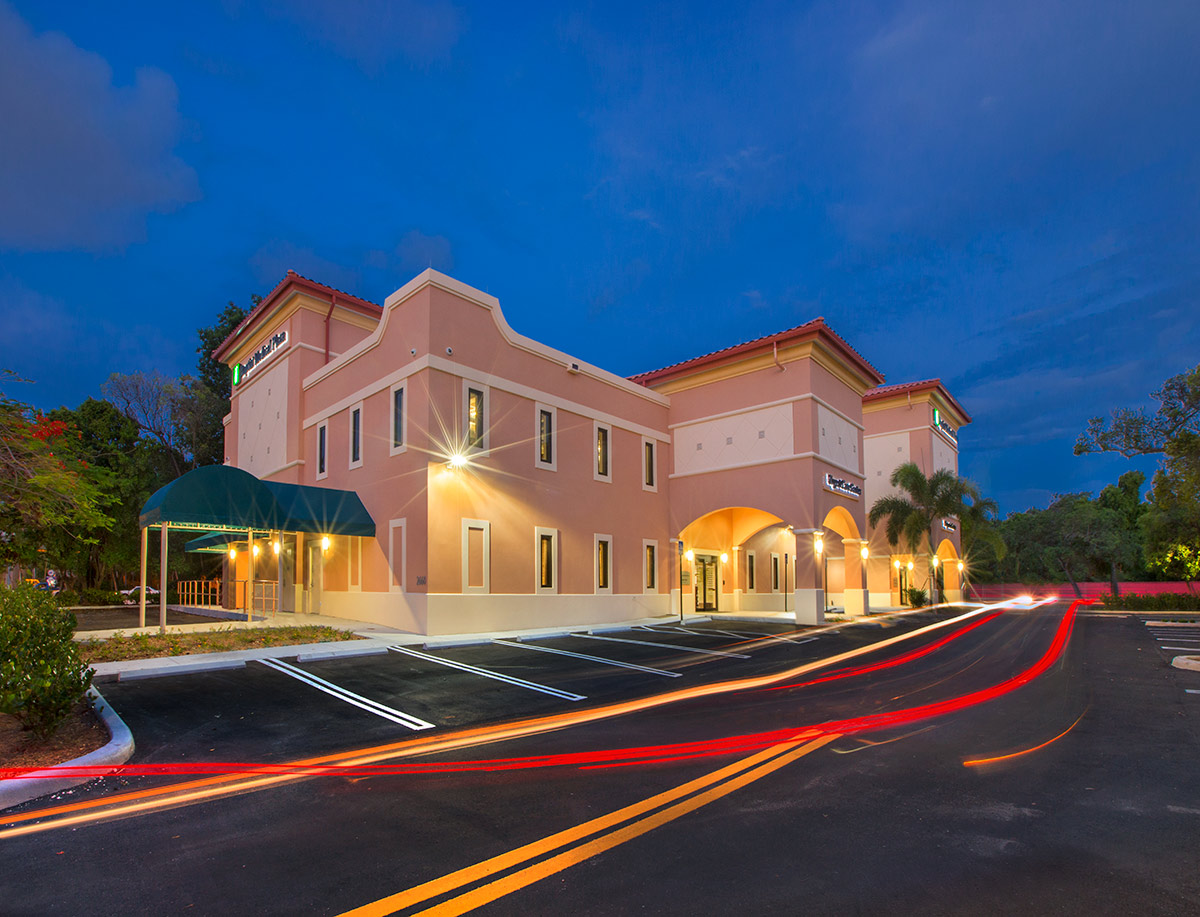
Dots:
{"x": 398, "y": 418}
{"x": 475, "y": 418}
{"x": 602, "y": 436}
{"x": 322, "y": 432}
{"x": 545, "y": 437}
{"x": 356, "y": 435}
{"x": 649, "y": 462}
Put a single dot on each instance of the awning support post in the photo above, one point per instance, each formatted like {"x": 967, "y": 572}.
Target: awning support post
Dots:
{"x": 142, "y": 578}
{"x": 250, "y": 579}
{"x": 162, "y": 579}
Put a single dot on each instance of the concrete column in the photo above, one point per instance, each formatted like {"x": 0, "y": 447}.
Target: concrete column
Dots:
{"x": 142, "y": 579}
{"x": 808, "y": 588}
{"x": 856, "y": 597}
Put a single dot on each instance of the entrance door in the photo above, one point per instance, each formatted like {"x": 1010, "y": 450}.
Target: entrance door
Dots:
{"x": 313, "y": 579}
{"x": 903, "y": 585}
{"x": 706, "y": 582}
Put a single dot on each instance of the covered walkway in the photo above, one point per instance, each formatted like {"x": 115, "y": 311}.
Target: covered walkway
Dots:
{"x": 239, "y": 515}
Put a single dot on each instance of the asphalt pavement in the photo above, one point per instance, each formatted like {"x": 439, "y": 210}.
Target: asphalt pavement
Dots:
{"x": 924, "y": 776}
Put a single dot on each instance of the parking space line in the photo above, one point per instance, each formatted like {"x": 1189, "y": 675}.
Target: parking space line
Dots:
{"x": 754, "y": 636}
{"x": 665, "y": 646}
{"x": 1185, "y": 648}
{"x": 488, "y": 673}
{"x": 601, "y": 659}
{"x": 363, "y": 703}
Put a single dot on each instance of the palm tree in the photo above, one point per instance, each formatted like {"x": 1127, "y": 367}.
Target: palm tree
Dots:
{"x": 978, "y": 530}
{"x": 922, "y": 501}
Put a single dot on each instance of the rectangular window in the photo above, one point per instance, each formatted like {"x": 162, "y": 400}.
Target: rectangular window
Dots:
{"x": 356, "y": 436}
{"x": 476, "y": 555}
{"x": 604, "y": 564}
{"x": 355, "y": 564}
{"x": 545, "y": 542}
{"x": 774, "y": 572}
{"x": 397, "y": 551}
{"x": 750, "y": 572}
{"x": 322, "y": 443}
{"x": 649, "y": 465}
{"x": 650, "y": 565}
{"x": 545, "y": 437}
{"x": 397, "y": 419}
{"x": 603, "y": 466}
{"x": 475, "y": 418}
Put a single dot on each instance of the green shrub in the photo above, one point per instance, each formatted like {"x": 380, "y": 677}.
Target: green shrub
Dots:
{"x": 1163, "y": 601}
{"x": 917, "y": 598}
{"x": 41, "y": 674}
{"x": 88, "y": 596}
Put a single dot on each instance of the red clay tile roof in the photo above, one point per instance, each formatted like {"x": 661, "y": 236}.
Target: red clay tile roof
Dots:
{"x": 815, "y": 326}
{"x": 292, "y": 279}
{"x": 901, "y": 388}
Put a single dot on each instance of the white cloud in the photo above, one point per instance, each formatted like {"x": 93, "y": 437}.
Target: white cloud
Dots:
{"x": 82, "y": 162}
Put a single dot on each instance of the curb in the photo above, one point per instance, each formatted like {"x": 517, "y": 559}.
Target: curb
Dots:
{"x": 118, "y": 750}
{"x": 1187, "y": 662}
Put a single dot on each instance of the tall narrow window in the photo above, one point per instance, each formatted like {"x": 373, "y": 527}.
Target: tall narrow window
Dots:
{"x": 602, "y": 471}
{"x": 774, "y": 572}
{"x": 649, "y": 465}
{"x": 603, "y": 564}
{"x": 750, "y": 571}
{"x": 322, "y": 436}
{"x": 355, "y": 437}
{"x": 546, "y": 437}
{"x": 651, "y": 577}
{"x": 398, "y": 418}
{"x": 475, "y": 419}
{"x": 545, "y": 558}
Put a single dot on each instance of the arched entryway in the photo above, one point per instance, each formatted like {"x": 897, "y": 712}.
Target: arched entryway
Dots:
{"x": 737, "y": 559}
{"x": 948, "y": 570}
{"x": 843, "y": 554}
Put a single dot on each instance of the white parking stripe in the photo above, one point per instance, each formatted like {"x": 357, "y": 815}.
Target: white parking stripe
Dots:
{"x": 1191, "y": 690}
{"x": 665, "y": 646}
{"x": 616, "y": 662}
{"x": 488, "y": 673}
{"x": 734, "y": 633}
{"x": 363, "y": 703}
{"x": 1184, "y": 648}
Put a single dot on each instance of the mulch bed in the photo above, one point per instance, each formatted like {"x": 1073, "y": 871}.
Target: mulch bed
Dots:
{"x": 80, "y": 733}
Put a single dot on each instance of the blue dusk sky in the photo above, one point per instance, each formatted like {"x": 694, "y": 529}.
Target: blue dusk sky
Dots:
{"x": 1003, "y": 195}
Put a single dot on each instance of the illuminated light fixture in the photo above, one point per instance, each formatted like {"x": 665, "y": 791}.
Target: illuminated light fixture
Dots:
{"x": 275, "y": 546}
{"x": 254, "y": 550}
{"x": 237, "y": 373}
{"x": 233, "y": 553}
{"x": 1027, "y": 599}
{"x": 935, "y": 561}
{"x": 896, "y": 564}
{"x": 457, "y": 460}
{"x": 960, "y": 566}
{"x": 689, "y": 554}
{"x": 818, "y": 545}
{"x": 324, "y": 542}
{"x": 910, "y": 565}
{"x": 724, "y": 558}
{"x": 864, "y": 552}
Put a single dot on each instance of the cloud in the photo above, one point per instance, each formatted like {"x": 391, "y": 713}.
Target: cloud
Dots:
{"x": 82, "y": 162}
{"x": 374, "y": 32}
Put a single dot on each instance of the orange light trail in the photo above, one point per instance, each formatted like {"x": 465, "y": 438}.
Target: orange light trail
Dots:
{"x": 976, "y": 762}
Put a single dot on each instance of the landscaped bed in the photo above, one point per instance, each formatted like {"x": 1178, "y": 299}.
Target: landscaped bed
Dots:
{"x": 80, "y": 733}
{"x": 236, "y": 637}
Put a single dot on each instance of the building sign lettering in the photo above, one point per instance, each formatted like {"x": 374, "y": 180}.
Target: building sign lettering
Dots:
{"x": 950, "y": 525}
{"x": 269, "y": 347}
{"x": 843, "y": 487}
{"x": 943, "y": 425}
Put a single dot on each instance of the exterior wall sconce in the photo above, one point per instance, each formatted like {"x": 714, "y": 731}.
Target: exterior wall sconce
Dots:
{"x": 935, "y": 561}
{"x": 960, "y": 566}
{"x": 325, "y": 542}
{"x": 864, "y": 552}
{"x": 896, "y": 564}
{"x": 254, "y": 550}
{"x": 910, "y": 566}
{"x": 275, "y": 546}
{"x": 818, "y": 545}
{"x": 233, "y": 553}
{"x": 690, "y": 555}
{"x": 458, "y": 460}
{"x": 724, "y": 558}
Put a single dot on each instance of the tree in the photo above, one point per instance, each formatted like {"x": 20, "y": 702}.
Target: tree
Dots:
{"x": 1172, "y": 519}
{"x": 1135, "y": 432}
{"x": 913, "y": 513}
{"x": 41, "y": 487}
{"x": 157, "y": 404}
{"x": 212, "y": 373}
{"x": 980, "y": 537}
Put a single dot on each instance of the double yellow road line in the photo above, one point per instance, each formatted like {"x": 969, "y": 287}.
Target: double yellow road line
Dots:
{"x": 574, "y": 845}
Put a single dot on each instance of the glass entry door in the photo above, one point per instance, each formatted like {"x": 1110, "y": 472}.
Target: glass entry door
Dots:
{"x": 706, "y": 582}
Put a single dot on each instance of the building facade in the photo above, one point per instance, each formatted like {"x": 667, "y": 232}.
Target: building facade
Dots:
{"x": 514, "y": 486}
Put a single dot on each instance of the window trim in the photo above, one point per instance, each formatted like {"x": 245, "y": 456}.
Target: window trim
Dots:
{"x": 402, "y": 388}
{"x": 597, "y": 426}
{"x": 652, "y": 487}
{"x": 596, "y": 539}
{"x": 396, "y": 576}
{"x": 751, "y": 572}
{"x": 650, "y": 570}
{"x": 350, "y": 435}
{"x": 467, "y": 525}
{"x": 468, "y": 386}
{"x": 538, "y": 534}
{"x": 322, "y": 447}
{"x": 538, "y": 409}
{"x": 776, "y": 572}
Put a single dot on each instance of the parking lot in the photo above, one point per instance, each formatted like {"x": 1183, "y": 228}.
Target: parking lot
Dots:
{"x": 278, "y": 709}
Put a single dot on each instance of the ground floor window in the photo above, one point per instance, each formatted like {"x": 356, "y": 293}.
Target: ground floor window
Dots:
{"x": 750, "y": 572}
{"x": 546, "y": 560}
{"x": 604, "y": 564}
{"x": 650, "y": 566}
{"x": 774, "y": 572}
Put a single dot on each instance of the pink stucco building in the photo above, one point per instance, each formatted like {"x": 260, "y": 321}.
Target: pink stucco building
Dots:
{"x": 514, "y": 486}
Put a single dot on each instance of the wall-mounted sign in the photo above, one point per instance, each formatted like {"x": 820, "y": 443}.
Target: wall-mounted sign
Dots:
{"x": 242, "y": 370}
{"x": 843, "y": 487}
{"x": 950, "y": 525}
{"x": 943, "y": 425}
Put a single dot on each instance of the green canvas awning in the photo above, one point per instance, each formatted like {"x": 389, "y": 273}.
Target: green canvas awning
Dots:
{"x": 213, "y": 543}
{"x": 320, "y": 510}
{"x": 221, "y": 499}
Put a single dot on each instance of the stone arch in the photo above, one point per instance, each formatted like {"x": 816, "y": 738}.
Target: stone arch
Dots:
{"x": 727, "y": 557}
